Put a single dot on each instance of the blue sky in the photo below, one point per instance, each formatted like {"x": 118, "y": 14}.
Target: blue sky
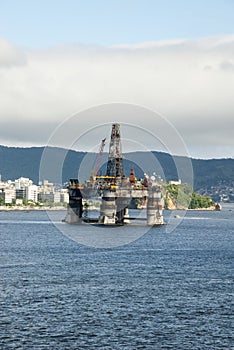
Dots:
{"x": 109, "y": 22}
{"x": 175, "y": 57}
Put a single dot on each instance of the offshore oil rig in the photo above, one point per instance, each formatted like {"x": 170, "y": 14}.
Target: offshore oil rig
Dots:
{"x": 115, "y": 190}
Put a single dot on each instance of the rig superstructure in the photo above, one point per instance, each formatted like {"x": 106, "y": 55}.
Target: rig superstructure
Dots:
{"x": 115, "y": 190}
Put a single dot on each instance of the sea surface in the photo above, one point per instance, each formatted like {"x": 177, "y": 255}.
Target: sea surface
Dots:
{"x": 164, "y": 290}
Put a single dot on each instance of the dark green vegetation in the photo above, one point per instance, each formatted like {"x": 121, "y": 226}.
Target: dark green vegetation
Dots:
{"x": 2, "y": 200}
{"x": 199, "y": 201}
{"x": 183, "y": 196}
{"x": 17, "y": 162}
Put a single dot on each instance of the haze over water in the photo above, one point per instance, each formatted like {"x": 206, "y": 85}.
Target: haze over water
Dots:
{"x": 163, "y": 291}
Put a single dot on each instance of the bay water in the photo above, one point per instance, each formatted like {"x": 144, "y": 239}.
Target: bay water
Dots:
{"x": 164, "y": 290}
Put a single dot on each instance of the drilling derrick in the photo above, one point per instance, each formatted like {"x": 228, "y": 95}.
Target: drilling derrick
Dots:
{"x": 115, "y": 158}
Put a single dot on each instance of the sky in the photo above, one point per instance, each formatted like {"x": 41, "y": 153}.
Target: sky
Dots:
{"x": 174, "y": 57}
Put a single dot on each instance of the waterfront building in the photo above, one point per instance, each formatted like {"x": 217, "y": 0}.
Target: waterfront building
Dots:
{"x": 57, "y": 197}
{"x": 64, "y": 196}
{"x": 22, "y": 183}
{"x": 45, "y": 197}
{"x": 175, "y": 182}
{"x": 20, "y": 193}
{"x": 9, "y": 196}
{"x": 32, "y": 193}
{"x": 46, "y": 187}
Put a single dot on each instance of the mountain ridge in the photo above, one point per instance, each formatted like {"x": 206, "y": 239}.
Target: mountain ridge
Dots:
{"x": 207, "y": 173}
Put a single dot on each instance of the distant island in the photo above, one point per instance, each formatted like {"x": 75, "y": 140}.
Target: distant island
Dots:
{"x": 183, "y": 197}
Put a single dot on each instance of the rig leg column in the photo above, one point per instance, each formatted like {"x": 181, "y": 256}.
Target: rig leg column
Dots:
{"x": 108, "y": 209}
{"x": 126, "y": 216}
{"x": 75, "y": 205}
{"x": 122, "y": 210}
{"x": 155, "y": 208}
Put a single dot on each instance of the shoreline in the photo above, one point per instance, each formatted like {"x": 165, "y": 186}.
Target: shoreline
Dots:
{"x": 203, "y": 209}
{"x": 28, "y": 208}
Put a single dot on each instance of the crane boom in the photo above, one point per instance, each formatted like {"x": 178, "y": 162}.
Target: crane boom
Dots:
{"x": 99, "y": 159}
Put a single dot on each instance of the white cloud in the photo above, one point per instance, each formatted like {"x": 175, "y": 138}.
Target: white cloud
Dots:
{"x": 191, "y": 82}
{"x": 10, "y": 55}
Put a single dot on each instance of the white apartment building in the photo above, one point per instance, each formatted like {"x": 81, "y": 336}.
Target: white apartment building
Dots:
{"x": 22, "y": 183}
{"x": 32, "y": 193}
{"x": 64, "y": 196}
{"x": 57, "y": 197}
{"x": 46, "y": 187}
{"x": 175, "y": 182}
{"x": 9, "y": 195}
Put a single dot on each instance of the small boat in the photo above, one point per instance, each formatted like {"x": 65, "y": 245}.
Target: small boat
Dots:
{"x": 218, "y": 207}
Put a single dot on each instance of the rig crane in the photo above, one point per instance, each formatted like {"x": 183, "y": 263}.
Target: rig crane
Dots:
{"x": 100, "y": 154}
